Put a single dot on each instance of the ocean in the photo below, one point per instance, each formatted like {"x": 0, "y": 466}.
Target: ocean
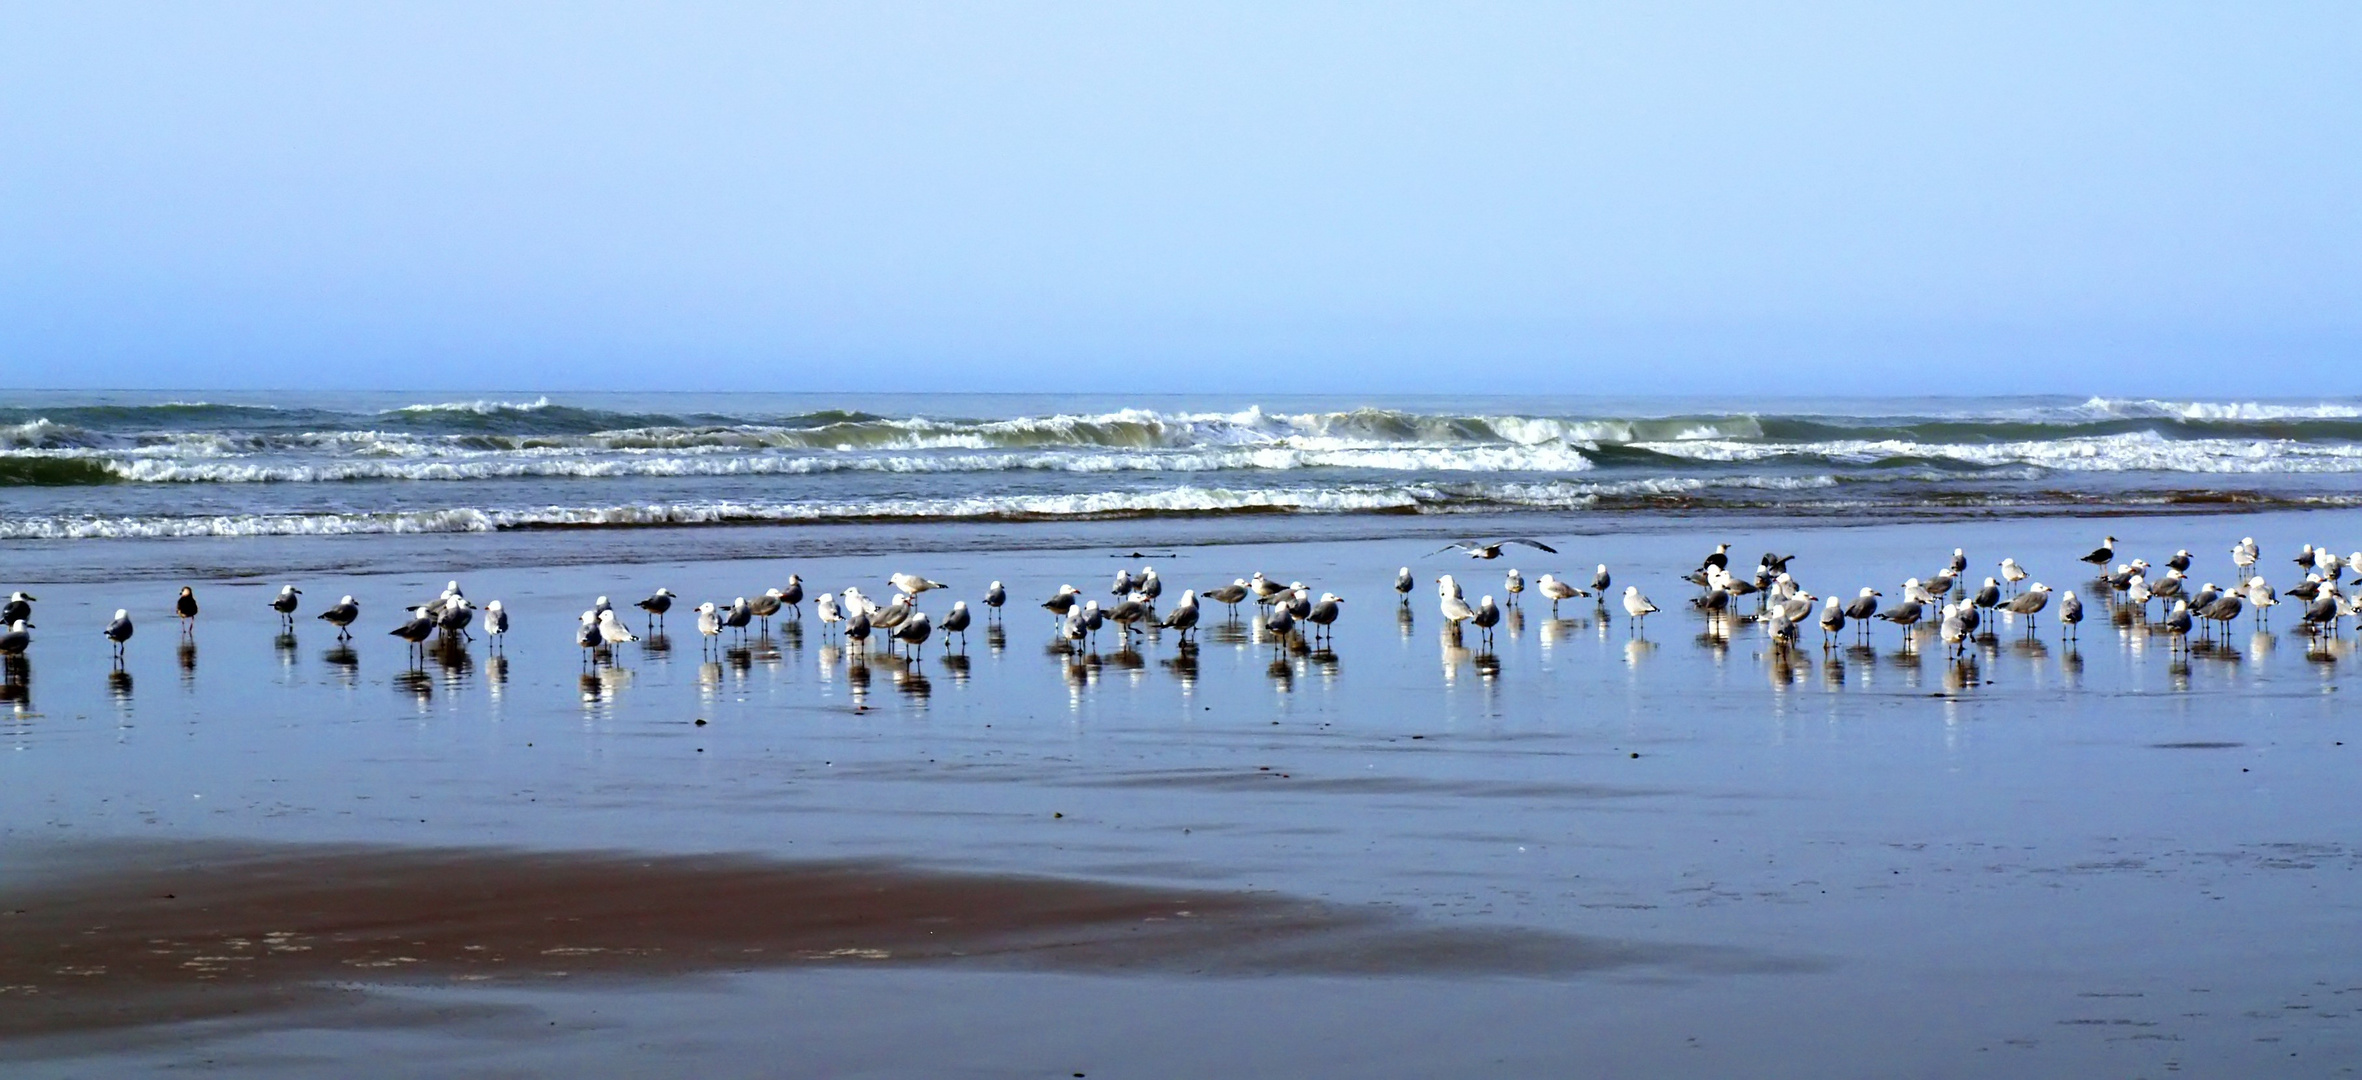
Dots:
{"x": 166, "y": 465}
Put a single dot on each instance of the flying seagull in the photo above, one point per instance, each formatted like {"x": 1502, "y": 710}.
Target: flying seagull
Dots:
{"x": 1492, "y": 550}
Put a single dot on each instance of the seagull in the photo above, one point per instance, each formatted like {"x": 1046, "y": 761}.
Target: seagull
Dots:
{"x": 1492, "y": 550}
{"x": 284, "y": 604}
{"x": 2323, "y": 611}
{"x": 2012, "y": 573}
{"x": 1324, "y": 615}
{"x": 420, "y": 627}
{"x": 1636, "y": 605}
{"x": 2260, "y": 594}
{"x": 2070, "y": 613}
{"x": 1555, "y": 590}
{"x": 1281, "y": 621}
{"x": 887, "y": 618}
{"x": 1129, "y": 612}
{"x": 1063, "y": 604}
{"x": 587, "y": 635}
{"x": 2029, "y": 604}
{"x": 15, "y": 639}
{"x": 1265, "y": 589}
{"x": 2305, "y": 558}
{"x": 342, "y": 616}
{"x": 1939, "y": 586}
{"x": 765, "y": 606}
{"x": 2307, "y": 589}
{"x": 18, "y": 609}
{"x": 118, "y": 631}
{"x": 1906, "y": 614}
{"x": 1455, "y": 608}
{"x": 994, "y": 597}
{"x": 1959, "y": 563}
{"x": 2243, "y": 555}
{"x": 1953, "y": 628}
{"x": 857, "y": 627}
{"x": 709, "y": 623}
{"x": 612, "y": 632}
{"x": 656, "y": 606}
{"x": 826, "y": 605}
{"x": 2103, "y": 554}
{"x": 2180, "y": 560}
{"x": 1599, "y": 582}
{"x": 1092, "y": 619}
{"x": 2177, "y": 624}
{"x": 1832, "y": 623}
{"x": 1122, "y": 586}
{"x": 740, "y": 614}
{"x": 1149, "y": 585}
{"x": 1797, "y": 608}
{"x": 1230, "y": 594}
{"x": 186, "y": 608}
{"x": 1865, "y": 605}
{"x": 793, "y": 595}
{"x": 1183, "y": 617}
{"x": 495, "y": 621}
{"x": 1487, "y": 617}
{"x": 956, "y": 622}
{"x": 914, "y": 631}
{"x": 1720, "y": 559}
{"x": 912, "y": 583}
{"x": 457, "y": 613}
{"x": 2222, "y": 611}
{"x": 1403, "y": 583}
{"x": 1513, "y": 584}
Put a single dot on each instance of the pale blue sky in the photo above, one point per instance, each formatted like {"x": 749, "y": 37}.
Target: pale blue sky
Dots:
{"x": 1878, "y": 198}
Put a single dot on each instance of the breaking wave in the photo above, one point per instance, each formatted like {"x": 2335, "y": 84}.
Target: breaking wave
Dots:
{"x": 89, "y": 467}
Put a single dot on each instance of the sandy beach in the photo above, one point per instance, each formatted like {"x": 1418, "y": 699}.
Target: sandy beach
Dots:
{"x": 1588, "y": 848}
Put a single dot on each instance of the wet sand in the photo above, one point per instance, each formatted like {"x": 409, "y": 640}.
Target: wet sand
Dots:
{"x": 1581, "y": 852}
{"x": 148, "y": 934}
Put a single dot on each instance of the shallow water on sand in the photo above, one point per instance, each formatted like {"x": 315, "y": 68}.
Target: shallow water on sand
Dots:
{"x": 1581, "y": 851}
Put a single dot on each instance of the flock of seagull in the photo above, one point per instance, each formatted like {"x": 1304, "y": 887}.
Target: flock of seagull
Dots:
{"x": 1944, "y": 601}
{"x": 1290, "y": 612}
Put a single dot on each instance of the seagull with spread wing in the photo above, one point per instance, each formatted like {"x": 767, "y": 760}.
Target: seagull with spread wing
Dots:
{"x": 1492, "y": 550}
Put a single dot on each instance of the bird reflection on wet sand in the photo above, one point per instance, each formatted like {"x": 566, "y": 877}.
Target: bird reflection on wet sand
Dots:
{"x": 343, "y": 663}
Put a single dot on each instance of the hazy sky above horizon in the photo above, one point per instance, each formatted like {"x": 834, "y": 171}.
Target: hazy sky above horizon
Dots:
{"x": 1834, "y": 198}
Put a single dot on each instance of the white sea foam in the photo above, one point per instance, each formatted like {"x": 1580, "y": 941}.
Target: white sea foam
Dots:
{"x": 2129, "y": 452}
{"x": 1425, "y": 498}
{"x": 217, "y": 461}
{"x": 479, "y": 407}
{"x": 2150, "y": 408}
{"x": 1098, "y": 504}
